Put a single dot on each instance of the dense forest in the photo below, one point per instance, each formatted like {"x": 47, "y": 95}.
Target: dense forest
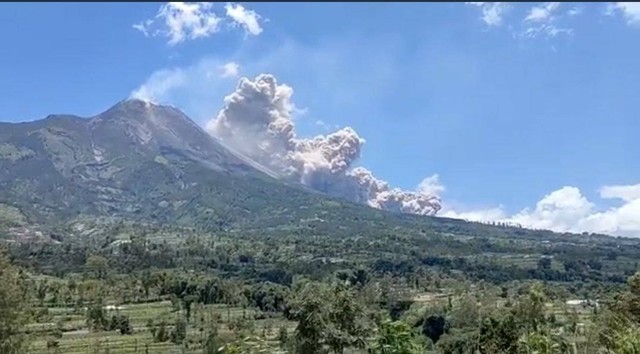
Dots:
{"x": 137, "y": 288}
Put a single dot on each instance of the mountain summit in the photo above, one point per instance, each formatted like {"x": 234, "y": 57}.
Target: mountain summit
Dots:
{"x": 135, "y": 160}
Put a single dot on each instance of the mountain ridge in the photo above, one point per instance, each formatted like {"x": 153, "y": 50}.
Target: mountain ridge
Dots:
{"x": 145, "y": 162}
{"x": 141, "y": 161}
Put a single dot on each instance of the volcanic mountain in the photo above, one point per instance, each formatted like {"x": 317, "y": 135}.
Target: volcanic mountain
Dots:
{"x": 137, "y": 160}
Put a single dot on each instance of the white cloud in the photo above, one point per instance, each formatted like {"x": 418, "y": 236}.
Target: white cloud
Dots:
{"x": 560, "y": 211}
{"x": 230, "y": 69}
{"x": 479, "y": 215}
{"x": 626, "y": 193}
{"x": 320, "y": 123}
{"x": 546, "y": 20}
{"x": 630, "y": 10}
{"x": 545, "y": 30}
{"x": 567, "y": 210}
{"x": 542, "y": 13}
{"x": 321, "y": 67}
{"x": 181, "y": 21}
{"x": 575, "y": 11}
{"x": 144, "y": 27}
{"x": 248, "y": 19}
{"x": 541, "y": 22}
{"x": 492, "y": 12}
{"x": 196, "y": 89}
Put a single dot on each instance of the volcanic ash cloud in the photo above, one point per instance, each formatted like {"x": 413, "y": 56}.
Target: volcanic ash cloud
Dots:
{"x": 256, "y": 120}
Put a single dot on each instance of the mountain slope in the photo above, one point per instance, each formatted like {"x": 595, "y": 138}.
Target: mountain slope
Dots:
{"x": 136, "y": 160}
{"x": 143, "y": 162}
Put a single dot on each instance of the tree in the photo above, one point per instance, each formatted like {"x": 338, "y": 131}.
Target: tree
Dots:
{"x": 310, "y": 311}
{"x": 531, "y": 310}
{"x": 97, "y": 317}
{"x": 41, "y": 290}
{"x": 98, "y": 265}
{"x": 619, "y": 326}
{"x": 12, "y": 307}
{"x": 211, "y": 344}
{"x": 499, "y": 335}
{"x": 627, "y": 340}
{"x": 283, "y": 337}
{"x": 544, "y": 263}
{"x": 543, "y": 343}
{"x": 459, "y": 342}
{"x": 465, "y": 313}
{"x": 396, "y": 338}
{"x": 121, "y": 323}
{"x": 433, "y": 327}
{"x": 328, "y": 315}
{"x": 346, "y": 315}
{"x": 179, "y": 332}
{"x": 158, "y": 331}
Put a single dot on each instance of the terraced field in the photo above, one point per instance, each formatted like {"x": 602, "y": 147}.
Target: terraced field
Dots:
{"x": 76, "y": 338}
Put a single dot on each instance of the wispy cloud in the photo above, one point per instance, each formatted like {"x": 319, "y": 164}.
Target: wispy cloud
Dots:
{"x": 545, "y": 30}
{"x": 182, "y": 21}
{"x": 540, "y": 22}
{"x": 193, "y": 88}
{"x": 492, "y": 12}
{"x": 542, "y": 13}
{"x": 248, "y": 19}
{"x": 630, "y": 11}
{"x": 545, "y": 20}
{"x": 575, "y": 11}
{"x": 230, "y": 69}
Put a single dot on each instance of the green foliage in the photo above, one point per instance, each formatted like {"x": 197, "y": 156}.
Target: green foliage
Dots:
{"x": 120, "y": 323}
{"x": 331, "y": 316}
{"x": 12, "y": 307}
{"x": 98, "y": 265}
{"x": 543, "y": 343}
{"x": 283, "y": 337}
{"x": 396, "y": 338}
{"x": 466, "y": 313}
{"x": 211, "y": 344}
{"x": 179, "y": 332}
{"x": 97, "y": 317}
{"x": 627, "y": 340}
{"x": 434, "y": 326}
{"x": 531, "y": 310}
{"x": 499, "y": 334}
{"x": 242, "y": 326}
{"x": 459, "y": 342}
{"x": 159, "y": 331}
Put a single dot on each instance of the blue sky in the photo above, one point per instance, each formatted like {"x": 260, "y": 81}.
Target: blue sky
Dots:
{"x": 506, "y": 103}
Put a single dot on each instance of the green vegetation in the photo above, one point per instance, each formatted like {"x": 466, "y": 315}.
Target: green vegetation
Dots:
{"x": 131, "y": 288}
{"x": 135, "y": 232}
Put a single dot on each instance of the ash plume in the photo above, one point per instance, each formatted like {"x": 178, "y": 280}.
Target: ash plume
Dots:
{"x": 256, "y": 120}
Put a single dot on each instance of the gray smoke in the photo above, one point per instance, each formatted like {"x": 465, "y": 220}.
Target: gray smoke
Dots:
{"x": 256, "y": 120}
